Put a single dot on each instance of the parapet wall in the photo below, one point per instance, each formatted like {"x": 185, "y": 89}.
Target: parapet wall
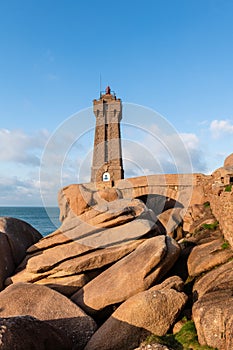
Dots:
{"x": 187, "y": 189}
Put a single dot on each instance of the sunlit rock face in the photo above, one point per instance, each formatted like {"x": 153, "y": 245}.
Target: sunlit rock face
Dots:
{"x": 229, "y": 161}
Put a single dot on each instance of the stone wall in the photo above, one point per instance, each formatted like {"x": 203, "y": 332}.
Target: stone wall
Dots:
{"x": 222, "y": 207}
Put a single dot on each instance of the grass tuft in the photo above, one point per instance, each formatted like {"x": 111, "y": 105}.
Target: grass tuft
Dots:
{"x": 228, "y": 188}
{"x": 185, "y": 339}
{"x": 212, "y": 226}
{"x": 225, "y": 245}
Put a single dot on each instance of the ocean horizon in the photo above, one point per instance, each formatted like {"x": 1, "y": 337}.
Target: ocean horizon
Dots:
{"x": 44, "y": 220}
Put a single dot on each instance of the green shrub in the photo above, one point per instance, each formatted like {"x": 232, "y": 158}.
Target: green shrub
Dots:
{"x": 168, "y": 340}
{"x": 212, "y": 226}
{"x": 187, "y": 336}
{"x": 207, "y": 204}
{"x": 225, "y": 245}
{"x": 228, "y": 188}
{"x": 185, "y": 339}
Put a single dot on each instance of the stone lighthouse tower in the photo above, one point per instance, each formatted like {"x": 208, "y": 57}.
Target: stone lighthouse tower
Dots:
{"x": 107, "y": 155}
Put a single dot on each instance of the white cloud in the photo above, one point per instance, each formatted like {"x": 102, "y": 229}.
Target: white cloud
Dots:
{"x": 20, "y": 147}
{"x": 219, "y": 128}
{"x": 203, "y": 122}
{"x": 192, "y": 144}
{"x": 190, "y": 140}
{"x": 68, "y": 155}
{"x": 139, "y": 160}
{"x": 17, "y": 191}
{"x": 65, "y": 160}
{"x": 20, "y": 160}
{"x": 161, "y": 152}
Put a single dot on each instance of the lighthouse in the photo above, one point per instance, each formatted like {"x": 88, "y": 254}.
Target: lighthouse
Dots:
{"x": 107, "y": 162}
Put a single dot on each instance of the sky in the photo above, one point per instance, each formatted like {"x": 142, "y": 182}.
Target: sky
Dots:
{"x": 170, "y": 61}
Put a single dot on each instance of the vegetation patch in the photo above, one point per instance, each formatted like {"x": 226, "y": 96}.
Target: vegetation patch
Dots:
{"x": 225, "y": 245}
{"x": 207, "y": 204}
{"x": 228, "y": 188}
{"x": 212, "y": 226}
{"x": 185, "y": 339}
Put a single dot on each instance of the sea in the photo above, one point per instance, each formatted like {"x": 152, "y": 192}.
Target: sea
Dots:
{"x": 44, "y": 220}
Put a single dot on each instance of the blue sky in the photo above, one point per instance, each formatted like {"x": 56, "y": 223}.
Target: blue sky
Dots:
{"x": 172, "y": 56}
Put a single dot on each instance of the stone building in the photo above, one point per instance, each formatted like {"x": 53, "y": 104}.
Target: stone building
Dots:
{"x": 224, "y": 176}
{"x": 107, "y": 162}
